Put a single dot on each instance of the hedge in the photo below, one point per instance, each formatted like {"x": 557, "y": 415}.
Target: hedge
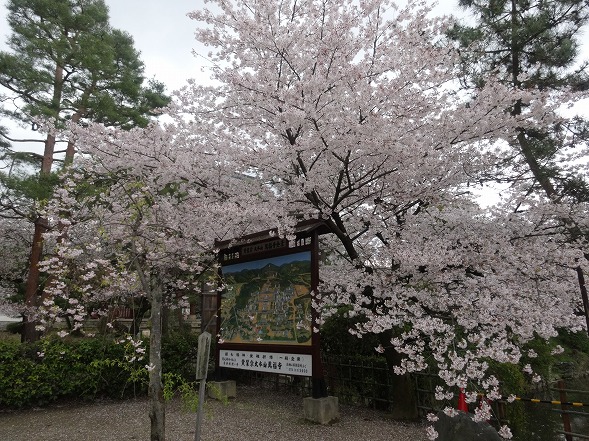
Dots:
{"x": 33, "y": 374}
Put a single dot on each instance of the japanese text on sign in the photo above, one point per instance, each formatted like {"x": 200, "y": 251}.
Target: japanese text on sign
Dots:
{"x": 288, "y": 364}
{"x": 265, "y": 246}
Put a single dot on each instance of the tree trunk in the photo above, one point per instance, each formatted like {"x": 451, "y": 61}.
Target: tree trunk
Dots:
{"x": 584, "y": 295}
{"x": 56, "y": 107}
{"x": 165, "y": 322}
{"x": 138, "y": 314}
{"x": 156, "y": 393}
{"x": 70, "y": 150}
{"x": 33, "y": 278}
{"x": 404, "y": 395}
{"x": 29, "y": 333}
{"x": 48, "y": 155}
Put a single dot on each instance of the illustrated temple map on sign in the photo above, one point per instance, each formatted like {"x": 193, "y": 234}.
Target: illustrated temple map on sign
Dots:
{"x": 268, "y": 301}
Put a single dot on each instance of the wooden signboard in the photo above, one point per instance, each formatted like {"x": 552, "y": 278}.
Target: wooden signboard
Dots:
{"x": 266, "y": 318}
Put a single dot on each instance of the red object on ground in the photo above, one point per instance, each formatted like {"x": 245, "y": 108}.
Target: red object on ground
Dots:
{"x": 462, "y": 401}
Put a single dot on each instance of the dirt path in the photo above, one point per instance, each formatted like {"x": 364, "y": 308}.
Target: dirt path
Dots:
{"x": 255, "y": 415}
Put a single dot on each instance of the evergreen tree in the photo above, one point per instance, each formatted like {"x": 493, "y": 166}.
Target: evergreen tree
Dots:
{"x": 535, "y": 44}
{"x": 532, "y": 45}
{"x": 67, "y": 64}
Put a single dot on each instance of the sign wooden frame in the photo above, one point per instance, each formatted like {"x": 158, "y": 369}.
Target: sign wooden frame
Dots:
{"x": 262, "y": 247}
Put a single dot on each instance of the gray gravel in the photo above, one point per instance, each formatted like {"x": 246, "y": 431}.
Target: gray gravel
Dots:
{"x": 255, "y": 415}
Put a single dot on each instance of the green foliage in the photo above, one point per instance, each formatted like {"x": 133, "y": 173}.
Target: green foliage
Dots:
{"x": 38, "y": 373}
{"x": 551, "y": 364}
{"x": 544, "y": 360}
{"x": 175, "y": 384}
{"x": 575, "y": 358}
{"x": 575, "y": 342}
{"x": 48, "y": 370}
{"x": 29, "y": 187}
{"x": 513, "y": 382}
{"x": 128, "y": 367}
{"x": 536, "y": 45}
{"x": 179, "y": 353}
{"x": 216, "y": 392}
{"x": 15, "y": 327}
{"x": 65, "y": 63}
{"x": 540, "y": 37}
{"x": 512, "y": 379}
{"x": 65, "y": 55}
{"x": 336, "y": 338}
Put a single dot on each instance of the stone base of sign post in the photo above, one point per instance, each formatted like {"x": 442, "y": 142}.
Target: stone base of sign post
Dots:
{"x": 221, "y": 390}
{"x": 321, "y": 410}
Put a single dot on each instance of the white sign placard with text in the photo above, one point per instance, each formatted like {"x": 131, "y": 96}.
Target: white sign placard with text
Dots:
{"x": 280, "y": 363}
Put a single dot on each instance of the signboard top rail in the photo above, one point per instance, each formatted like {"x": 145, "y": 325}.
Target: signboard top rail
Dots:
{"x": 302, "y": 229}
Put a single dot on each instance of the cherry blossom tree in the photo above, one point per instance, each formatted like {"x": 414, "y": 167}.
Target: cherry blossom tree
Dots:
{"x": 137, "y": 217}
{"x": 352, "y": 113}
{"x": 66, "y": 63}
{"x": 345, "y": 112}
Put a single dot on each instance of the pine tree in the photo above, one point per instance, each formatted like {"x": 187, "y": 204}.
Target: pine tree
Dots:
{"x": 68, "y": 64}
{"x": 535, "y": 44}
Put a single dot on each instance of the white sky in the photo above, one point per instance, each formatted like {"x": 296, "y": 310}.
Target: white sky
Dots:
{"x": 163, "y": 34}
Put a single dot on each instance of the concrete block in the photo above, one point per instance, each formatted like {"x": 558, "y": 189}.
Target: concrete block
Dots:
{"x": 321, "y": 410}
{"x": 221, "y": 390}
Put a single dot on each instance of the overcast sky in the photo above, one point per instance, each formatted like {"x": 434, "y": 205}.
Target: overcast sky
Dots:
{"x": 162, "y": 32}
{"x": 164, "y": 35}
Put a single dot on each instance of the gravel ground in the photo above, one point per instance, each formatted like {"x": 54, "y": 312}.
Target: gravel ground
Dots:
{"x": 255, "y": 415}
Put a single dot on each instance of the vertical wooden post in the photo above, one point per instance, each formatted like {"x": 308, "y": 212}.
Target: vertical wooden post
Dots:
{"x": 566, "y": 419}
{"x": 318, "y": 384}
{"x": 202, "y": 366}
{"x": 501, "y": 412}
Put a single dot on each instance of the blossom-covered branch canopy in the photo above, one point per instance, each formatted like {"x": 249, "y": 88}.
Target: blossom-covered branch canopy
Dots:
{"x": 352, "y": 113}
{"x": 349, "y": 112}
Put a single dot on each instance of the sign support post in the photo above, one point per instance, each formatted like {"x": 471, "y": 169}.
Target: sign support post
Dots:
{"x": 202, "y": 366}
{"x": 319, "y": 387}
